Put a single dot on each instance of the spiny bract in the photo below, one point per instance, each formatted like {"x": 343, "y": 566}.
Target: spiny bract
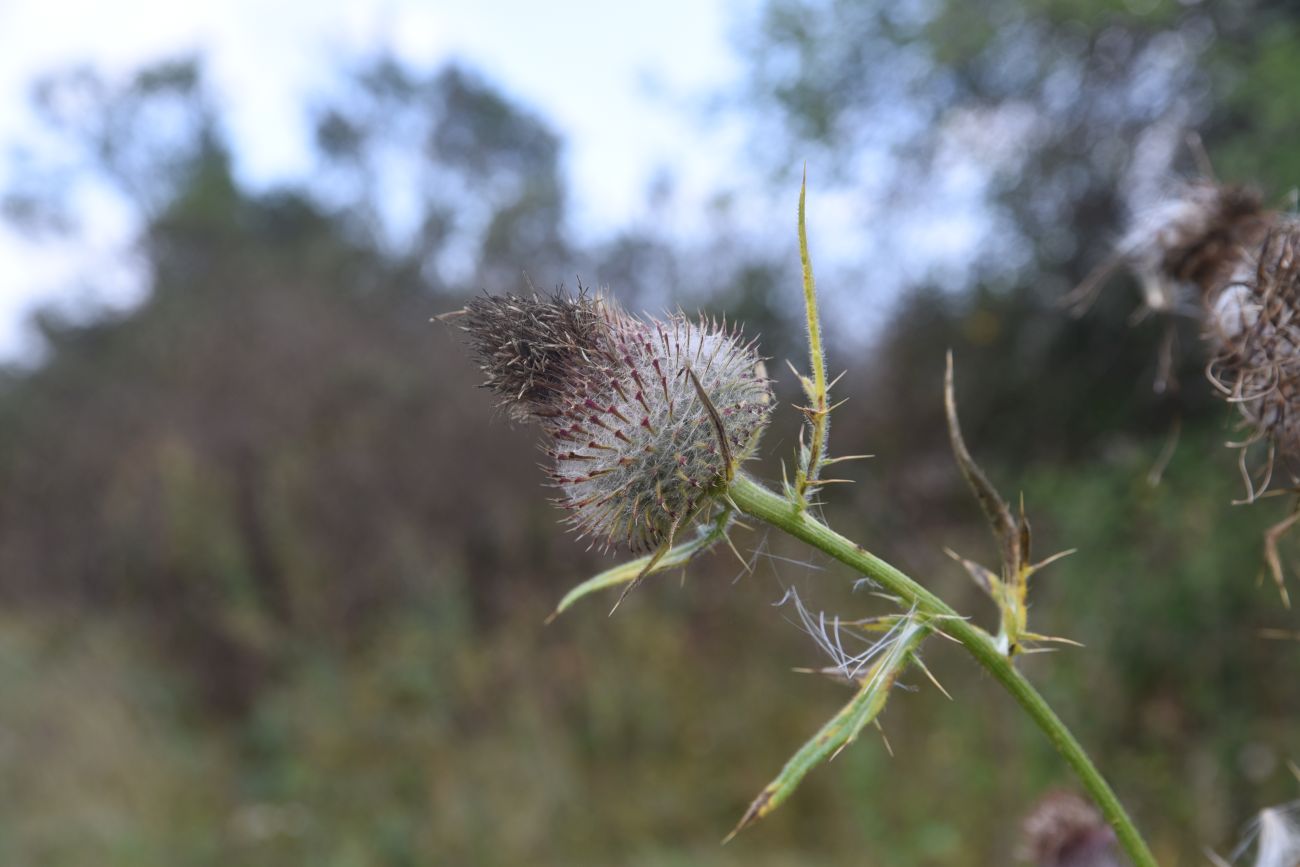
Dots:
{"x": 635, "y": 449}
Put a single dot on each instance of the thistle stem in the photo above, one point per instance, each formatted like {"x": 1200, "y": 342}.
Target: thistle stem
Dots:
{"x": 757, "y": 501}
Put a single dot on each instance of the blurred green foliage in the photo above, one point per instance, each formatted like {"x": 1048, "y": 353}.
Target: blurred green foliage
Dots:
{"x": 274, "y": 573}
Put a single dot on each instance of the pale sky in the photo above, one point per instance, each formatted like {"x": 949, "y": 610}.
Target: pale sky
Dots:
{"x": 590, "y": 68}
{"x": 617, "y": 80}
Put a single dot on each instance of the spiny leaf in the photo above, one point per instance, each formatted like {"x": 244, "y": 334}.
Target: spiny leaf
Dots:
{"x": 1004, "y": 526}
{"x": 1047, "y": 561}
{"x": 934, "y": 680}
{"x": 883, "y": 623}
{"x": 1054, "y": 639}
{"x": 829, "y": 461}
{"x": 984, "y": 578}
{"x": 624, "y": 573}
{"x": 648, "y": 567}
{"x": 804, "y": 381}
{"x": 842, "y": 729}
{"x": 1010, "y": 592}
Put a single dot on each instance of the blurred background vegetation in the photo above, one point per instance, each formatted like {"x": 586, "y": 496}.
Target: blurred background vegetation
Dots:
{"x": 274, "y": 572}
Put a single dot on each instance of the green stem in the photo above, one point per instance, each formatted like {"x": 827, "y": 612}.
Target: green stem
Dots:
{"x": 759, "y": 502}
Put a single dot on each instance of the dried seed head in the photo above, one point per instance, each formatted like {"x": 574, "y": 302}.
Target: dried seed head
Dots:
{"x": 636, "y": 446}
{"x": 1193, "y": 240}
{"x": 1064, "y": 830}
{"x": 1220, "y": 243}
{"x": 1253, "y": 326}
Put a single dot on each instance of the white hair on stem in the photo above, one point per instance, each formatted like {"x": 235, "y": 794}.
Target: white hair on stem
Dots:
{"x": 831, "y": 634}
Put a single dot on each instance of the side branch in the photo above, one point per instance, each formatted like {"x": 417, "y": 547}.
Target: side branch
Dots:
{"x": 756, "y": 500}
{"x": 816, "y": 389}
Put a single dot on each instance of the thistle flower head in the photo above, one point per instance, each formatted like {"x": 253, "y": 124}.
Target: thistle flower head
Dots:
{"x": 1064, "y": 830}
{"x": 645, "y": 419}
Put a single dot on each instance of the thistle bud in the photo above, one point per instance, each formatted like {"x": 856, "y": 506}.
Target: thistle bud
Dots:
{"x": 1064, "y": 830}
{"x": 645, "y": 419}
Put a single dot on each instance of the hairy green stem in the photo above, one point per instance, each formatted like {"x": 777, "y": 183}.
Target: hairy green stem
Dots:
{"x": 759, "y": 502}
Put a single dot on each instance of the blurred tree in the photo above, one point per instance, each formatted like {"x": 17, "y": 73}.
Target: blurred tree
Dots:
{"x": 148, "y": 135}
{"x": 1049, "y": 122}
{"x": 202, "y": 460}
{"x": 444, "y": 172}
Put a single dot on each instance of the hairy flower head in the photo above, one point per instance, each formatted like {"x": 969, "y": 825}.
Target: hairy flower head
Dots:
{"x": 642, "y": 416}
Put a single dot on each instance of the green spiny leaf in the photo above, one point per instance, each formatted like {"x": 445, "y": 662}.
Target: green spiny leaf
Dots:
{"x": 624, "y": 573}
{"x": 987, "y": 581}
{"x": 843, "y": 728}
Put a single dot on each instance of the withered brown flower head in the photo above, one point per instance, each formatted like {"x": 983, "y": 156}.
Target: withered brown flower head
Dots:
{"x": 638, "y": 448}
{"x": 1194, "y": 239}
{"x": 1253, "y": 319}
{"x": 1064, "y": 830}
{"x": 1241, "y": 260}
